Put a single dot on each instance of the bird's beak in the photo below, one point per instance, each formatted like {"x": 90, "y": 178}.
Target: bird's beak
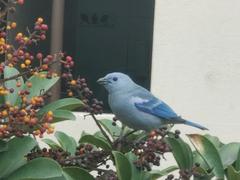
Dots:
{"x": 102, "y": 81}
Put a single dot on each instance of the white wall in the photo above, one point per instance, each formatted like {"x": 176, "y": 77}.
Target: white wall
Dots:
{"x": 196, "y": 62}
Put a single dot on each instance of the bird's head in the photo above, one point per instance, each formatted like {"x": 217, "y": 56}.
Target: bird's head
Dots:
{"x": 114, "y": 82}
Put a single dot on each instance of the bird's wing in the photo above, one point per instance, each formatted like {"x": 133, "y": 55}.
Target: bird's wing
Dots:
{"x": 147, "y": 103}
{"x": 157, "y": 108}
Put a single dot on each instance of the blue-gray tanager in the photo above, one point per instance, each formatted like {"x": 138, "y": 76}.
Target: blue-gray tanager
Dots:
{"x": 136, "y": 107}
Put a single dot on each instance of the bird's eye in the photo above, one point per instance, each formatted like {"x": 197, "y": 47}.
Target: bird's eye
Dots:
{"x": 115, "y": 78}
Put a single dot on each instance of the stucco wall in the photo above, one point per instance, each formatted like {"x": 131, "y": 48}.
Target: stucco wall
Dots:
{"x": 196, "y": 62}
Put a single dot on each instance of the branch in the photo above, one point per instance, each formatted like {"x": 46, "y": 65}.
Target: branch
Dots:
{"x": 16, "y": 76}
{"x": 29, "y": 71}
{"x": 101, "y": 129}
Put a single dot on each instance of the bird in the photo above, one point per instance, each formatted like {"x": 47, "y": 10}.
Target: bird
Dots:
{"x": 138, "y": 108}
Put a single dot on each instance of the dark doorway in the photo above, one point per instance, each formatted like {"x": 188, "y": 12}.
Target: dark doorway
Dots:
{"x": 107, "y": 36}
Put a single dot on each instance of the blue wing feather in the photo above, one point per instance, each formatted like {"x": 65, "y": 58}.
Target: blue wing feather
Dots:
{"x": 157, "y": 108}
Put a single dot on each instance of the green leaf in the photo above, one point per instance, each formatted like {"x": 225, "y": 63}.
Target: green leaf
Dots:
{"x": 9, "y": 72}
{"x": 229, "y": 153}
{"x": 100, "y": 135}
{"x": 237, "y": 164}
{"x": 39, "y": 84}
{"x": 114, "y": 131}
{"x": 232, "y": 174}
{"x": 40, "y": 168}
{"x": 3, "y": 146}
{"x": 2, "y": 99}
{"x": 14, "y": 157}
{"x": 155, "y": 174}
{"x": 181, "y": 152}
{"x": 51, "y": 143}
{"x": 95, "y": 140}
{"x": 123, "y": 166}
{"x": 145, "y": 175}
{"x": 74, "y": 173}
{"x": 209, "y": 152}
{"x": 136, "y": 173}
{"x": 66, "y": 104}
{"x": 197, "y": 158}
{"x": 214, "y": 140}
{"x": 202, "y": 174}
{"x": 62, "y": 115}
{"x": 67, "y": 143}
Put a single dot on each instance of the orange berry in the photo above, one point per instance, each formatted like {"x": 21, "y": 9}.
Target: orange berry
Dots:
{"x": 33, "y": 102}
{"x": 28, "y": 62}
{"x": 40, "y": 20}
{"x": 50, "y": 130}
{"x": 13, "y": 25}
{"x": 26, "y": 119}
{"x": 73, "y": 82}
{"x": 10, "y": 65}
{"x": 24, "y": 99}
{"x": 23, "y": 66}
{"x": 46, "y": 125}
{"x": 37, "y": 132}
{"x": 29, "y": 84}
{"x": 19, "y": 35}
{"x": 70, "y": 93}
{"x": 49, "y": 113}
{"x": 45, "y": 67}
{"x": 4, "y": 113}
{"x": 35, "y": 73}
{"x": 18, "y": 84}
{"x": 26, "y": 39}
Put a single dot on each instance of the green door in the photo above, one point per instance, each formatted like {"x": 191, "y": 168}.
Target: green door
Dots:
{"x": 109, "y": 35}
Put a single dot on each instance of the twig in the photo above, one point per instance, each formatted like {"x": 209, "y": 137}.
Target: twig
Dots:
{"x": 25, "y": 72}
{"x": 101, "y": 129}
{"x": 15, "y": 76}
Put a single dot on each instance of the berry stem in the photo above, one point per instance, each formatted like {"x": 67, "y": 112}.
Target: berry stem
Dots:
{"x": 101, "y": 129}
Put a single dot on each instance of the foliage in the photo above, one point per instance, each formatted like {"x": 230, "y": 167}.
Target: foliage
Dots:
{"x": 114, "y": 152}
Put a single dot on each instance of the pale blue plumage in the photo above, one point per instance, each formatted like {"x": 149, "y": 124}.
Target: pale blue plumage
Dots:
{"x": 136, "y": 107}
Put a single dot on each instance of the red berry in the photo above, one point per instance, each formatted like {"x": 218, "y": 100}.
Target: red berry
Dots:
{"x": 39, "y": 55}
{"x": 44, "y": 27}
{"x": 68, "y": 58}
{"x": 50, "y": 57}
{"x": 37, "y": 27}
{"x": 21, "y": 2}
{"x": 43, "y": 37}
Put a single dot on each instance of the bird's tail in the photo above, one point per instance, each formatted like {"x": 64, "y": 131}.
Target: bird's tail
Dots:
{"x": 190, "y": 123}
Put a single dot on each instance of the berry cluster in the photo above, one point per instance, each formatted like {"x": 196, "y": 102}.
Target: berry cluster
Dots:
{"x": 17, "y": 121}
{"x": 107, "y": 175}
{"x": 21, "y": 118}
{"x": 186, "y": 174}
{"x": 57, "y": 154}
{"x": 79, "y": 88}
{"x": 85, "y": 156}
{"x": 149, "y": 151}
{"x": 19, "y": 55}
{"x": 88, "y": 157}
